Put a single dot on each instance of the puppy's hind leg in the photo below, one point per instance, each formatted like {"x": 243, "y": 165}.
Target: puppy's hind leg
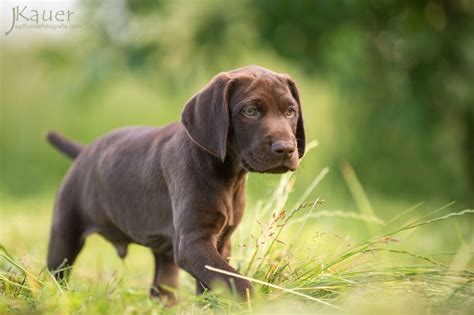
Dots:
{"x": 165, "y": 281}
{"x": 66, "y": 238}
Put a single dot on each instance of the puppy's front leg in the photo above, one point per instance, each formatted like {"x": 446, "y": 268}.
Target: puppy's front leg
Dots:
{"x": 197, "y": 252}
{"x": 195, "y": 248}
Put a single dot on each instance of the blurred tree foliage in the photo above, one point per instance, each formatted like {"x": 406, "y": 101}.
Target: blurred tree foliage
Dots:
{"x": 410, "y": 63}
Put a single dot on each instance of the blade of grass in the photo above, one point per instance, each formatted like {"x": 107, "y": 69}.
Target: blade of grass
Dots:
{"x": 359, "y": 195}
{"x": 434, "y": 212}
{"x": 280, "y": 229}
{"x": 367, "y": 245}
{"x": 341, "y": 214}
{"x": 312, "y": 186}
{"x": 309, "y": 297}
{"x": 445, "y": 217}
{"x": 16, "y": 284}
{"x": 4, "y": 253}
{"x": 406, "y": 211}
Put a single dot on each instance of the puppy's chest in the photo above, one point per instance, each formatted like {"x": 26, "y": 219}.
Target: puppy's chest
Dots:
{"x": 233, "y": 218}
{"x": 239, "y": 200}
{"x": 235, "y": 209}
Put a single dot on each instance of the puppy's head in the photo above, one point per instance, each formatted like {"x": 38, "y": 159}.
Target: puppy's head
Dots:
{"x": 255, "y": 113}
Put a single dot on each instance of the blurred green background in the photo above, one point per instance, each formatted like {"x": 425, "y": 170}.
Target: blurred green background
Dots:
{"x": 386, "y": 86}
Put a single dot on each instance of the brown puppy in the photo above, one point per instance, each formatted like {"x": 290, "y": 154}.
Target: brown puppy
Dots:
{"x": 180, "y": 189}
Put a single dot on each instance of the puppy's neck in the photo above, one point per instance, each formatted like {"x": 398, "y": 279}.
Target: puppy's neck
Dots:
{"x": 229, "y": 169}
{"x": 233, "y": 163}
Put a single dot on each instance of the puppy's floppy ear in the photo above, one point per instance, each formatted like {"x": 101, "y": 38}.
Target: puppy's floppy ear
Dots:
{"x": 300, "y": 133}
{"x": 206, "y": 116}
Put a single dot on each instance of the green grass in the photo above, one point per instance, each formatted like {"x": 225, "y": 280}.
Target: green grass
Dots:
{"x": 297, "y": 264}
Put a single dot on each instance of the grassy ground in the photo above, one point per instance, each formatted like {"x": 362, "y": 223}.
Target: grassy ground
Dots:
{"x": 299, "y": 256}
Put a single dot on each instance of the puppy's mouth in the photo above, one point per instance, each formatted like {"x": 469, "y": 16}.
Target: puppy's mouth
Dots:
{"x": 278, "y": 167}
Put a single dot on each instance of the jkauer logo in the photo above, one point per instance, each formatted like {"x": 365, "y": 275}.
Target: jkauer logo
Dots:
{"x": 25, "y": 17}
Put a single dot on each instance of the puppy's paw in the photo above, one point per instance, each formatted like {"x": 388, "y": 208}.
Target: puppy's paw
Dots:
{"x": 167, "y": 298}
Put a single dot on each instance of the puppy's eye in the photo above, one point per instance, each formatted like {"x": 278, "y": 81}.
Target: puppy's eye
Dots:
{"x": 250, "y": 111}
{"x": 290, "y": 112}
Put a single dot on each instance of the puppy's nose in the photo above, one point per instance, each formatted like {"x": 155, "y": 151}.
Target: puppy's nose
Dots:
{"x": 283, "y": 148}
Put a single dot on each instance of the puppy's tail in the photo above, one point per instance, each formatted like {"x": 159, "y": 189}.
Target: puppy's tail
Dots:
{"x": 69, "y": 148}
